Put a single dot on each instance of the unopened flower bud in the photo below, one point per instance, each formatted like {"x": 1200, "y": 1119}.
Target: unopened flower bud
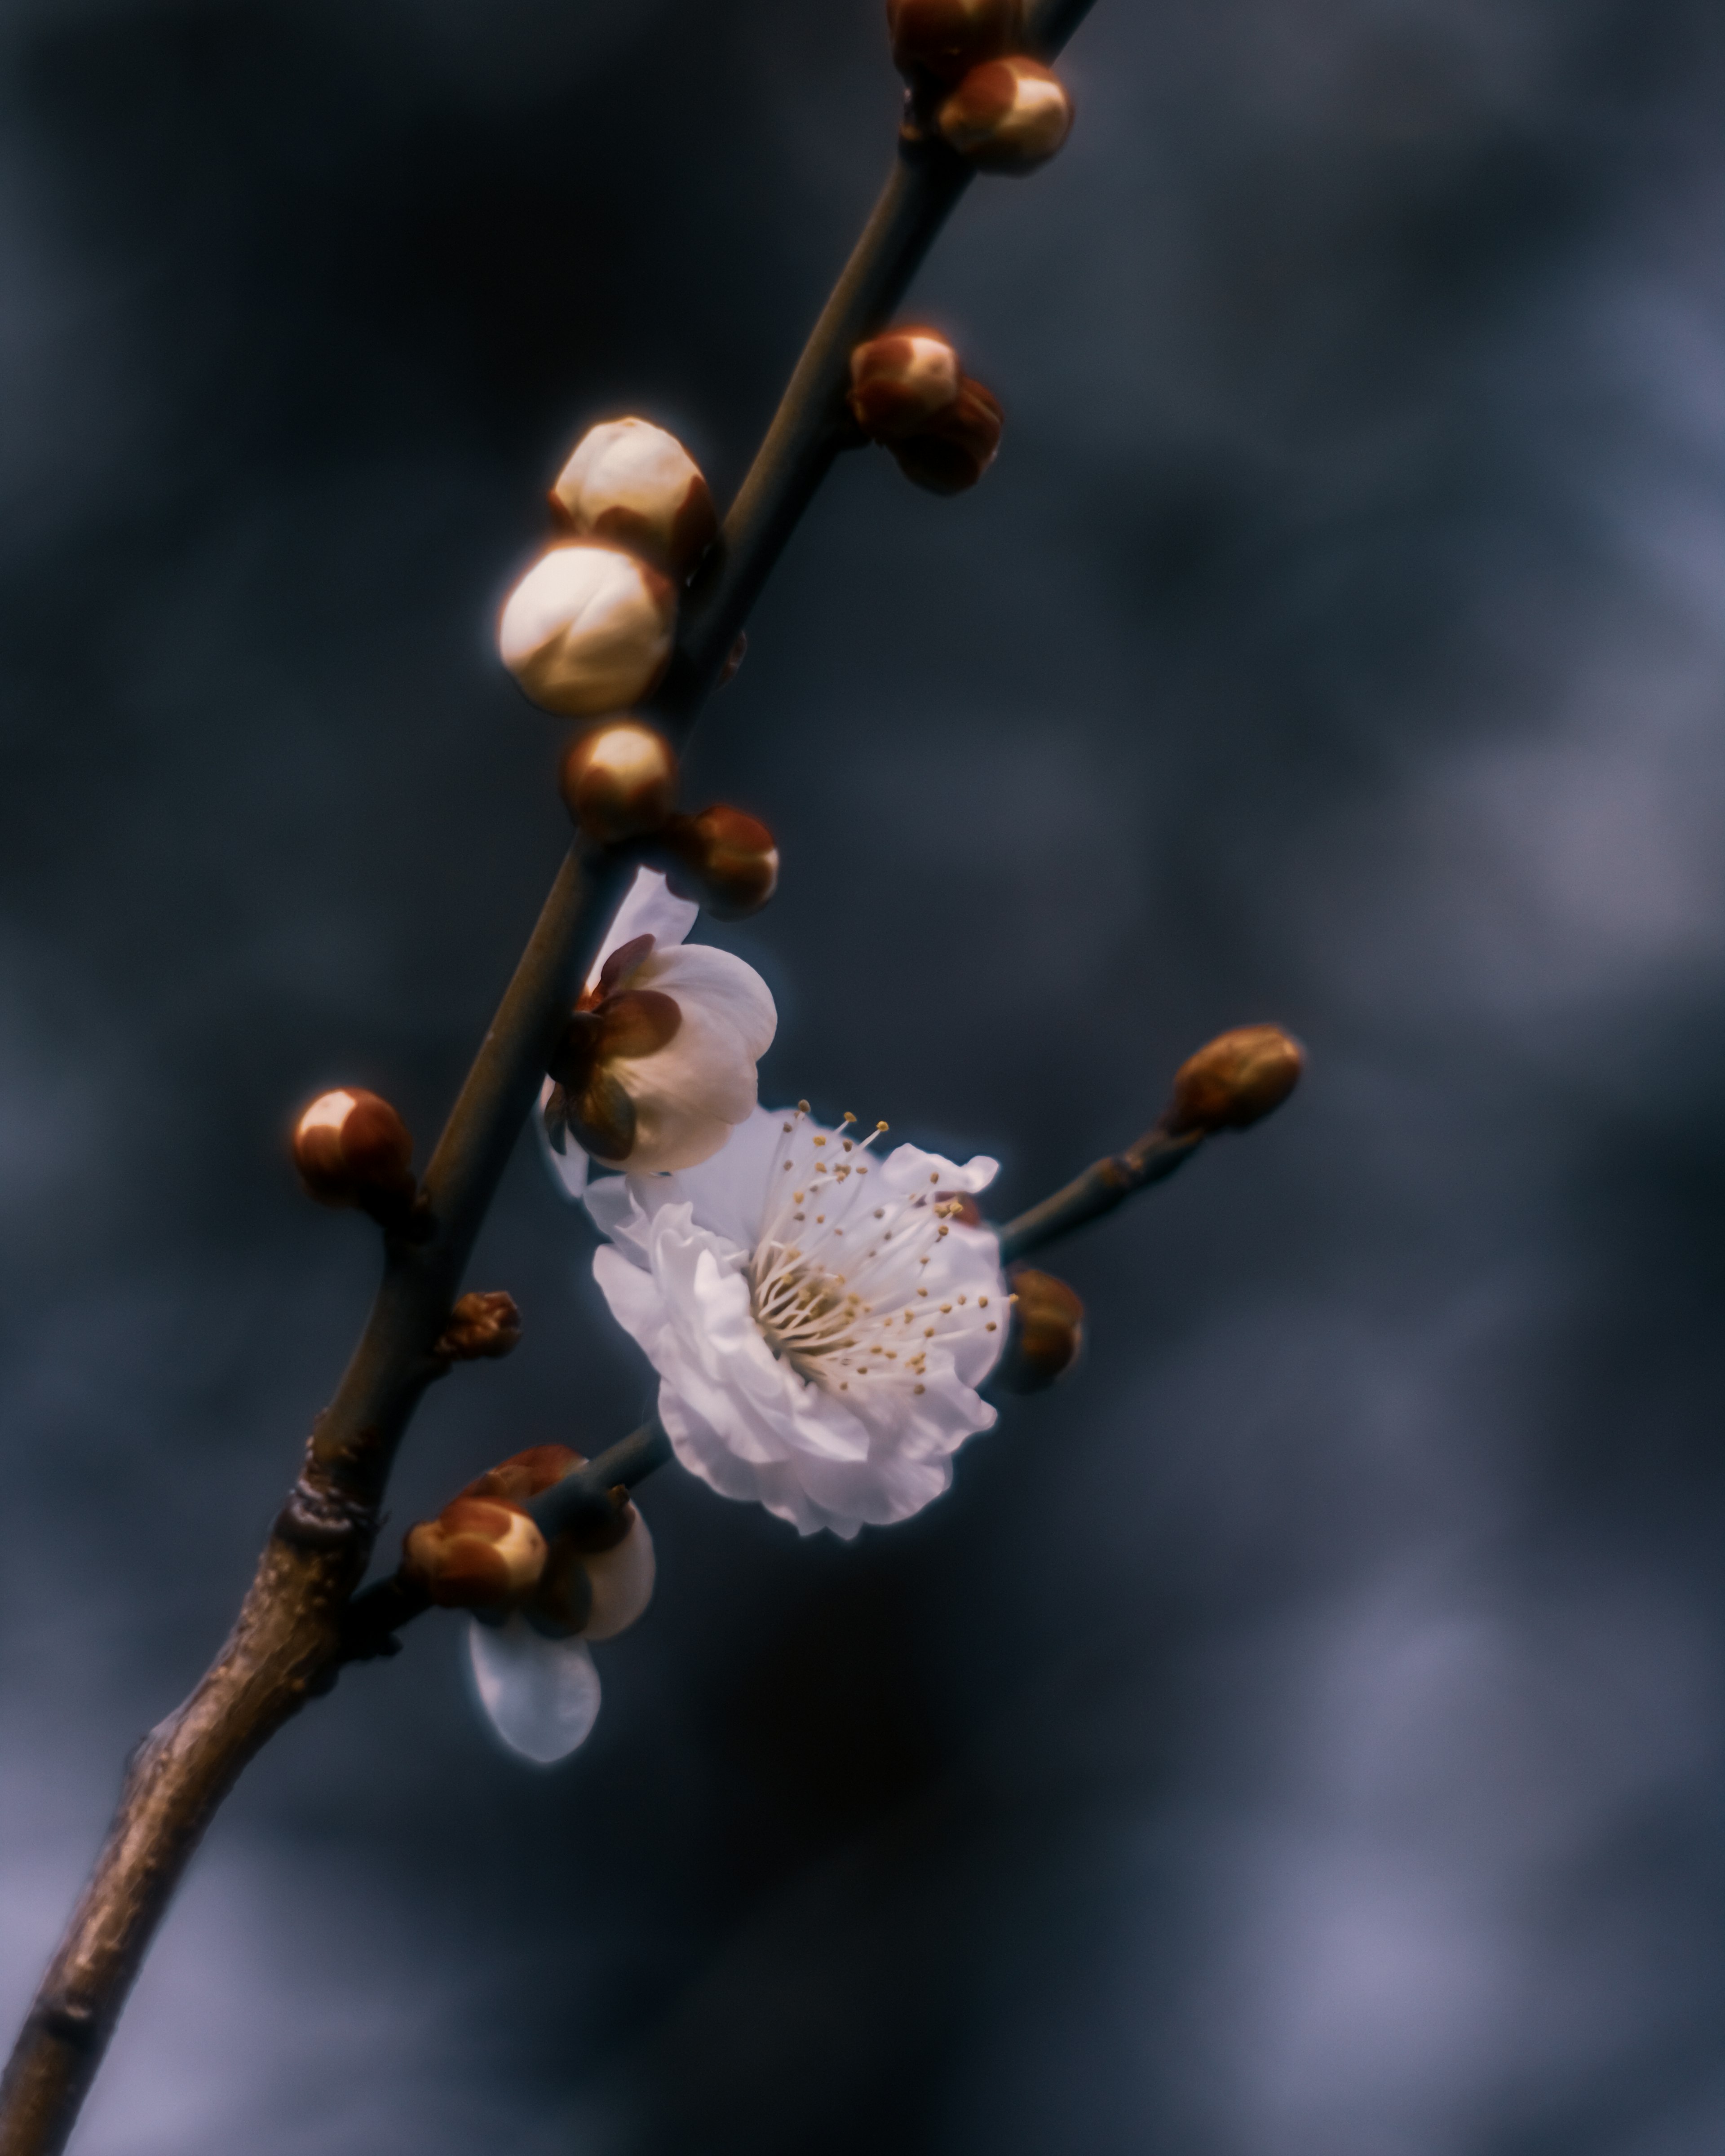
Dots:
{"x": 619, "y": 781}
{"x": 723, "y": 859}
{"x": 948, "y": 38}
{"x": 633, "y": 485}
{"x": 899, "y": 382}
{"x": 1047, "y": 1330}
{"x": 1007, "y": 116}
{"x": 1239, "y": 1077}
{"x": 588, "y": 631}
{"x": 351, "y": 1148}
{"x": 478, "y": 1553}
{"x": 956, "y": 446}
{"x": 483, "y": 1325}
{"x": 734, "y": 658}
{"x": 523, "y": 1474}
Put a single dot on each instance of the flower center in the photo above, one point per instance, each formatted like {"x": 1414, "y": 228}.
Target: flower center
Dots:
{"x": 839, "y": 1280}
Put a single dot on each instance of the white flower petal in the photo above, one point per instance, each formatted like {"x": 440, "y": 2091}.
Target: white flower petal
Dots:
{"x": 907, "y": 1167}
{"x": 622, "y": 1580}
{"x": 686, "y": 1095}
{"x": 648, "y": 909}
{"x": 720, "y": 982}
{"x": 542, "y": 1696}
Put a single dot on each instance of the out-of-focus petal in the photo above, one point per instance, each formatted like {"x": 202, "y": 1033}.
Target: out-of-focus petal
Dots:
{"x": 541, "y": 1695}
{"x": 648, "y": 909}
{"x": 622, "y": 1580}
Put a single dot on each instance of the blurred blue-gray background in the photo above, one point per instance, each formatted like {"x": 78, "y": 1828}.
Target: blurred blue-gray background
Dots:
{"x": 1298, "y": 1736}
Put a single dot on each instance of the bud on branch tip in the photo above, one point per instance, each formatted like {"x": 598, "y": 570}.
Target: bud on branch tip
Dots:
{"x": 1234, "y": 1081}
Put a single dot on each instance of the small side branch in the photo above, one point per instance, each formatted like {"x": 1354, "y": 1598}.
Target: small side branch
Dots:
{"x": 372, "y": 1619}
{"x": 1100, "y": 1188}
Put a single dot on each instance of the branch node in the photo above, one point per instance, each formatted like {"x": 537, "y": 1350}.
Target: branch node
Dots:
{"x": 481, "y": 1325}
{"x": 324, "y": 1519}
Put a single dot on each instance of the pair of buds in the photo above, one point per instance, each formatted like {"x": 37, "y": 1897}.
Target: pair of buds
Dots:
{"x": 968, "y": 73}
{"x": 483, "y": 1553}
{"x": 588, "y": 630}
{"x": 620, "y": 783}
{"x": 909, "y": 393}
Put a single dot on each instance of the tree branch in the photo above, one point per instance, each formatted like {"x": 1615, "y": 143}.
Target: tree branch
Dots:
{"x": 289, "y": 1641}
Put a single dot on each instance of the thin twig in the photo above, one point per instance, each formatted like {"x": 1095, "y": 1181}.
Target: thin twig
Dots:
{"x": 1101, "y": 1187}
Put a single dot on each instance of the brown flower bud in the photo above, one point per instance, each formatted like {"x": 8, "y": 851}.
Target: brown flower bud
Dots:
{"x": 902, "y": 381}
{"x": 734, "y": 658}
{"x": 478, "y": 1553}
{"x": 948, "y": 38}
{"x": 634, "y": 485}
{"x": 725, "y": 861}
{"x": 1007, "y": 116}
{"x": 619, "y": 781}
{"x": 588, "y": 631}
{"x": 351, "y": 1148}
{"x": 523, "y": 1474}
{"x": 1239, "y": 1077}
{"x": 486, "y": 1324}
{"x": 1047, "y": 1330}
{"x": 953, "y": 450}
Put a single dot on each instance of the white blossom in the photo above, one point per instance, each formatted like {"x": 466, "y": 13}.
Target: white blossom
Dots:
{"x": 686, "y": 1073}
{"x": 819, "y": 1317}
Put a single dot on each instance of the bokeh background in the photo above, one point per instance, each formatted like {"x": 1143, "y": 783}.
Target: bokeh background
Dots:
{"x": 1299, "y": 1735}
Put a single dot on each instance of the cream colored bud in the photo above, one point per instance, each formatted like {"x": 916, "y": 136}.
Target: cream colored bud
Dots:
{"x": 632, "y": 485}
{"x": 620, "y": 781}
{"x": 902, "y": 381}
{"x": 351, "y": 1148}
{"x": 948, "y": 38}
{"x": 588, "y": 631}
{"x": 1238, "y": 1078}
{"x": 1007, "y": 116}
{"x": 478, "y": 1553}
{"x": 1047, "y": 1330}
